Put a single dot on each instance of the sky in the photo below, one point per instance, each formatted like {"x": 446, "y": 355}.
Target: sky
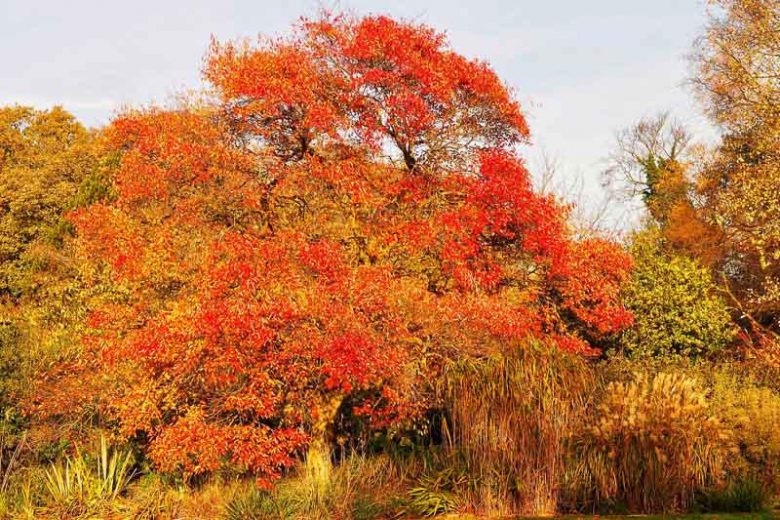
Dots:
{"x": 582, "y": 70}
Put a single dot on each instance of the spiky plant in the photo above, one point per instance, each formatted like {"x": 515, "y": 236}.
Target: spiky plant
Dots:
{"x": 77, "y": 483}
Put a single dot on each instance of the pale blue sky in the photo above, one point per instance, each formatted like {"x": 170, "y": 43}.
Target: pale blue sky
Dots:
{"x": 582, "y": 69}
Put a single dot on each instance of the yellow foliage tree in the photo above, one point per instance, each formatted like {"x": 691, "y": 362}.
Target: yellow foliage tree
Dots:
{"x": 739, "y": 80}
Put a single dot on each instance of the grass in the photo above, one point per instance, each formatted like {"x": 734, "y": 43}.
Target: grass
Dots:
{"x": 706, "y": 516}
{"x": 511, "y": 415}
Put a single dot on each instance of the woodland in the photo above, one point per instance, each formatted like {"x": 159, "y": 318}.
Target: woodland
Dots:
{"x": 328, "y": 285}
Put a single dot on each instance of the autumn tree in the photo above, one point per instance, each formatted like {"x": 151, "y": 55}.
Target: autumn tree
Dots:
{"x": 648, "y": 162}
{"x": 47, "y": 163}
{"x": 45, "y": 156}
{"x": 344, "y": 216}
{"x": 656, "y": 161}
{"x": 738, "y": 61}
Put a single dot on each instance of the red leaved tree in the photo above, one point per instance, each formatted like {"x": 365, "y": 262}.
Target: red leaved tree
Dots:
{"x": 346, "y": 215}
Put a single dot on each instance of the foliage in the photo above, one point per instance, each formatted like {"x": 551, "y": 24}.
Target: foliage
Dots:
{"x": 45, "y": 158}
{"x": 738, "y": 74}
{"x": 652, "y": 444}
{"x": 741, "y": 496}
{"x": 373, "y": 81}
{"x": 260, "y": 263}
{"x": 752, "y": 412}
{"x": 656, "y": 159}
{"x": 719, "y": 205}
{"x": 675, "y": 302}
{"x": 428, "y": 498}
{"x": 339, "y": 242}
{"x": 254, "y": 505}
{"x": 646, "y": 158}
{"x": 358, "y": 488}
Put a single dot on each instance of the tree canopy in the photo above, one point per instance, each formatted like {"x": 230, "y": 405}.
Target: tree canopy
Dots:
{"x": 346, "y": 214}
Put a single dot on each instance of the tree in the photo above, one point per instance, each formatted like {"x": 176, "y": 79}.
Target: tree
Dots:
{"x": 738, "y": 70}
{"x": 375, "y": 82}
{"x": 738, "y": 78}
{"x": 44, "y": 158}
{"x": 647, "y": 162}
{"x": 47, "y": 165}
{"x": 656, "y": 160}
{"x": 264, "y": 262}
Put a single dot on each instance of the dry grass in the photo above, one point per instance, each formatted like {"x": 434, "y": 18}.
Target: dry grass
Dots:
{"x": 652, "y": 444}
{"x": 512, "y": 415}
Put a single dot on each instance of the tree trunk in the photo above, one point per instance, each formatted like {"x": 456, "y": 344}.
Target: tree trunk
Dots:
{"x": 318, "y": 457}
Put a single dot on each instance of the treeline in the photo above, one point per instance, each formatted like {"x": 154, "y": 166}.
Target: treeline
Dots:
{"x": 326, "y": 288}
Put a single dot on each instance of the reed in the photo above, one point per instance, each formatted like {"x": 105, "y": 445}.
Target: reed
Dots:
{"x": 512, "y": 415}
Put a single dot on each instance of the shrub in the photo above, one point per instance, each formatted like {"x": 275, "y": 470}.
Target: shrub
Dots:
{"x": 651, "y": 445}
{"x": 358, "y": 488}
{"x": 81, "y": 483}
{"x": 752, "y": 412}
{"x": 442, "y": 487}
{"x": 677, "y": 311}
{"x": 255, "y": 505}
{"x": 743, "y": 496}
{"x": 151, "y": 499}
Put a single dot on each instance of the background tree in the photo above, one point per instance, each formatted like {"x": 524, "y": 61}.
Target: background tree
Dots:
{"x": 47, "y": 166}
{"x": 656, "y": 160}
{"x": 738, "y": 78}
{"x": 44, "y": 158}
{"x": 649, "y": 161}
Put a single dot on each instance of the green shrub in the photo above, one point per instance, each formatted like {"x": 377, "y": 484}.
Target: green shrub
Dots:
{"x": 366, "y": 508}
{"x": 677, "y": 311}
{"x": 83, "y": 483}
{"x": 743, "y": 496}
{"x": 441, "y": 490}
{"x": 428, "y": 499}
{"x": 257, "y": 504}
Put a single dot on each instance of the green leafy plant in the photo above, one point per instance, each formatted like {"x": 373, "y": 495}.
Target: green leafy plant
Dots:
{"x": 81, "y": 482}
{"x": 433, "y": 496}
{"x": 677, "y": 311}
{"x": 257, "y": 504}
{"x": 743, "y": 496}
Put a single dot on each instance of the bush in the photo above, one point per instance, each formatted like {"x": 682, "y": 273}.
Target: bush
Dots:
{"x": 358, "y": 488}
{"x": 677, "y": 311}
{"x": 752, "y": 413}
{"x": 82, "y": 483}
{"x": 652, "y": 444}
{"x": 744, "y": 496}
{"x": 255, "y": 505}
{"x": 439, "y": 491}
